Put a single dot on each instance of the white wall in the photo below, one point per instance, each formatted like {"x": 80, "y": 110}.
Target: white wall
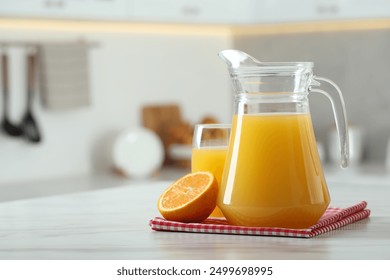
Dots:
{"x": 127, "y": 71}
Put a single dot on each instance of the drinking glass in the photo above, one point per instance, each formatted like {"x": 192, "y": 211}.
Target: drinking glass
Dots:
{"x": 209, "y": 149}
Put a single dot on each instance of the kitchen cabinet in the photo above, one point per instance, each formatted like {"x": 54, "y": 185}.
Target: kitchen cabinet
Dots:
{"x": 199, "y": 11}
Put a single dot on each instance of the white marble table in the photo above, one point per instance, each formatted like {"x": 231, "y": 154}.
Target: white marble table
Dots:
{"x": 112, "y": 223}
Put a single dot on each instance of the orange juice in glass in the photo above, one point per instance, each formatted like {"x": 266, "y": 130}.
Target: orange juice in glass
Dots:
{"x": 209, "y": 151}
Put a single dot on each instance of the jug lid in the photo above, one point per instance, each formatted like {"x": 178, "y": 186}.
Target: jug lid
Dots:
{"x": 242, "y": 63}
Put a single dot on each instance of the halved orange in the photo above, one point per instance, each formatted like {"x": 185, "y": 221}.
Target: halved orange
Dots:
{"x": 192, "y": 198}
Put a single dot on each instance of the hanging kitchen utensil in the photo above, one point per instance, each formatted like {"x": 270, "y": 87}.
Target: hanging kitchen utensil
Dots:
{"x": 29, "y": 124}
{"x": 8, "y": 127}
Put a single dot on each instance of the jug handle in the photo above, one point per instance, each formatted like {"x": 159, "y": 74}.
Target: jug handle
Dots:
{"x": 336, "y": 98}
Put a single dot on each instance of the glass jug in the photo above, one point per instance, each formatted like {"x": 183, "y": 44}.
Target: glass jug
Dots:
{"x": 273, "y": 175}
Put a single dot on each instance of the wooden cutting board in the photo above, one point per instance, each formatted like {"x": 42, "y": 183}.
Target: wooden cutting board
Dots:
{"x": 160, "y": 118}
{"x": 156, "y": 117}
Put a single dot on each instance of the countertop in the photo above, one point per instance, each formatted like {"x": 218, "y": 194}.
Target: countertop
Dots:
{"x": 113, "y": 223}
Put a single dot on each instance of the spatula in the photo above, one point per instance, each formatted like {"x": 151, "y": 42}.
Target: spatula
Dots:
{"x": 29, "y": 124}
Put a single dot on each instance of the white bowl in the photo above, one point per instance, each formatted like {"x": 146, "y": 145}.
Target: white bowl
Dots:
{"x": 138, "y": 152}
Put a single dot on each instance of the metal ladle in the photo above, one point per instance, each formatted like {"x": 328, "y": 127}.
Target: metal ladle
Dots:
{"x": 7, "y": 126}
{"x": 29, "y": 124}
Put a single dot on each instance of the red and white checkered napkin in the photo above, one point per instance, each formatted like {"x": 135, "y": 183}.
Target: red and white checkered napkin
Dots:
{"x": 332, "y": 219}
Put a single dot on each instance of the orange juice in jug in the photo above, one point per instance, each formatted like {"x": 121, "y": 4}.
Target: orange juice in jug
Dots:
{"x": 274, "y": 176}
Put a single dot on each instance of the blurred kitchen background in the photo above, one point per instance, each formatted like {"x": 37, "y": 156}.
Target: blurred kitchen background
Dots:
{"x": 106, "y": 66}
